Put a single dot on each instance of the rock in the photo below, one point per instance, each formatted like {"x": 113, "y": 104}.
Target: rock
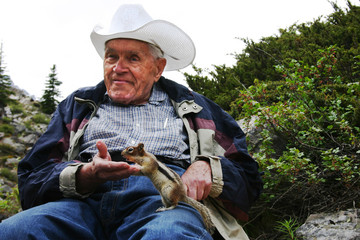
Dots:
{"x": 19, "y": 128}
{"x": 19, "y": 148}
{"x": 29, "y": 139}
{"x": 12, "y": 161}
{"x": 248, "y": 126}
{"x": 8, "y": 141}
{"x": 252, "y": 132}
{"x": 40, "y": 128}
{"x": 6, "y": 189}
{"x": 7, "y": 111}
{"x": 16, "y": 144}
{"x": 334, "y": 226}
{"x": 254, "y": 138}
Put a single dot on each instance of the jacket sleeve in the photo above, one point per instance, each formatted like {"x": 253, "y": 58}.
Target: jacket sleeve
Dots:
{"x": 241, "y": 178}
{"x": 39, "y": 170}
{"x": 237, "y": 179}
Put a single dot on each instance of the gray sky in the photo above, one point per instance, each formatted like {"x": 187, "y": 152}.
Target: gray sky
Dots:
{"x": 39, "y": 33}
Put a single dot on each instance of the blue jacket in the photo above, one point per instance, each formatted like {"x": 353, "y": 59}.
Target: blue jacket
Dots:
{"x": 213, "y": 135}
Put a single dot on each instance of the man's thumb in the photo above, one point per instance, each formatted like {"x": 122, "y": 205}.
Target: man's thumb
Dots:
{"x": 101, "y": 146}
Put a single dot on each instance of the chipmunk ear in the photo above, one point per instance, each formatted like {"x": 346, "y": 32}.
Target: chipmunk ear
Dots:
{"x": 141, "y": 149}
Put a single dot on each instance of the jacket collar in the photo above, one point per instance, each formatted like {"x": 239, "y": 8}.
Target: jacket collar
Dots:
{"x": 176, "y": 91}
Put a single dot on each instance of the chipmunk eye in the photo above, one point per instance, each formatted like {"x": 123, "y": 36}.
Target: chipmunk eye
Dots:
{"x": 130, "y": 149}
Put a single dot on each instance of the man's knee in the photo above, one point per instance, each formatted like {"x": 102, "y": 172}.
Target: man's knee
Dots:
{"x": 182, "y": 222}
{"x": 50, "y": 219}
{"x": 20, "y": 226}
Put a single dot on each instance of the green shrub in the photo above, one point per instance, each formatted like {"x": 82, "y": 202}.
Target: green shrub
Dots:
{"x": 6, "y": 149}
{"x": 314, "y": 112}
{"x": 6, "y": 120}
{"x": 28, "y": 124}
{"x": 7, "y": 173}
{"x": 7, "y": 129}
{"x": 16, "y": 108}
{"x": 3, "y": 159}
{"x": 288, "y": 228}
{"x": 40, "y": 118}
{"x": 36, "y": 105}
{"x": 10, "y": 203}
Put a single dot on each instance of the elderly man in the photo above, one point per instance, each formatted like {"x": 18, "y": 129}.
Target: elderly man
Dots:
{"x": 74, "y": 183}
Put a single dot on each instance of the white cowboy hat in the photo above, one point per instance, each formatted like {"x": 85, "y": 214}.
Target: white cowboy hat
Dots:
{"x": 132, "y": 21}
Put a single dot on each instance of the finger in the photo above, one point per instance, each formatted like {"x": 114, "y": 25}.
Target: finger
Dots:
{"x": 207, "y": 190}
{"x": 119, "y": 170}
{"x": 135, "y": 168}
{"x": 109, "y": 167}
{"x": 192, "y": 192}
{"x": 101, "y": 146}
{"x": 186, "y": 189}
{"x": 199, "y": 193}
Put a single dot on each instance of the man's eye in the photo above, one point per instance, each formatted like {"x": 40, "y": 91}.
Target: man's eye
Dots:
{"x": 111, "y": 56}
{"x": 134, "y": 58}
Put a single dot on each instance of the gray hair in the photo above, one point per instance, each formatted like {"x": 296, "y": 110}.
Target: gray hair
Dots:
{"x": 155, "y": 51}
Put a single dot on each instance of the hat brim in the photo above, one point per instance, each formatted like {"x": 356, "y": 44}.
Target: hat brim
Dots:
{"x": 179, "y": 49}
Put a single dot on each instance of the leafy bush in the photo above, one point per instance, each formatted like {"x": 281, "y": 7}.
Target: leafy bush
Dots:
{"x": 315, "y": 112}
{"x": 10, "y": 203}
{"x": 8, "y": 174}
{"x": 299, "y": 41}
{"x": 6, "y": 119}
{"x": 220, "y": 85}
{"x": 16, "y": 108}
{"x": 7, "y": 129}
{"x": 6, "y": 149}
{"x": 40, "y": 118}
{"x": 28, "y": 124}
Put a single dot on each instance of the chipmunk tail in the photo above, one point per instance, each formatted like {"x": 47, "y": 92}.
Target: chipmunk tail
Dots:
{"x": 204, "y": 212}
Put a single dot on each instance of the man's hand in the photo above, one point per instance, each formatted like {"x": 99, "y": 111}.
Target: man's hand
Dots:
{"x": 197, "y": 180}
{"x": 102, "y": 169}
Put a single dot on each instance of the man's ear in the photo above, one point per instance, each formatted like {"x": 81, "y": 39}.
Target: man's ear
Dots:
{"x": 160, "y": 63}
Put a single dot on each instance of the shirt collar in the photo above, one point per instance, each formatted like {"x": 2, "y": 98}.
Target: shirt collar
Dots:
{"x": 158, "y": 95}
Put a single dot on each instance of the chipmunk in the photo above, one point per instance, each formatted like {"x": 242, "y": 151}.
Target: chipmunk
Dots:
{"x": 166, "y": 181}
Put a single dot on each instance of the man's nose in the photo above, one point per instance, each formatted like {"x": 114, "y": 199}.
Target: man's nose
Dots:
{"x": 120, "y": 66}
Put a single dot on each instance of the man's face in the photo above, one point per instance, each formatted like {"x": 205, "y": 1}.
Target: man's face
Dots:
{"x": 130, "y": 70}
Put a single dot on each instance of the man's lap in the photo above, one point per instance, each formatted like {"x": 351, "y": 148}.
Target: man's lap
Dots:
{"x": 127, "y": 211}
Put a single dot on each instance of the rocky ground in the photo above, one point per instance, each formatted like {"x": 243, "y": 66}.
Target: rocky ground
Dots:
{"x": 21, "y": 124}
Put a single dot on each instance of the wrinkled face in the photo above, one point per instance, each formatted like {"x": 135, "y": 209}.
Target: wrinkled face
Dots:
{"x": 130, "y": 70}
